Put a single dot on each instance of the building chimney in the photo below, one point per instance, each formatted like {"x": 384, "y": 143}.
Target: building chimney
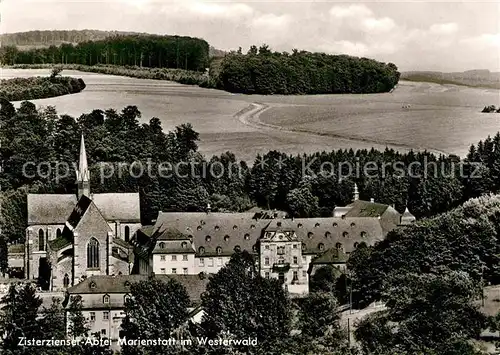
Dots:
{"x": 209, "y": 209}
{"x": 372, "y": 200}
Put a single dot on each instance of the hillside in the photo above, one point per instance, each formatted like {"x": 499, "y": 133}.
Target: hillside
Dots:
{"x": 475, "y": 78}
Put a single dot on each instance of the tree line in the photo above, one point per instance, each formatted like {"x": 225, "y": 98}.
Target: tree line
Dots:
{"x": 262, "y": 71}
{"x": 153, "y": 51}
{"x": 20, "y": 89}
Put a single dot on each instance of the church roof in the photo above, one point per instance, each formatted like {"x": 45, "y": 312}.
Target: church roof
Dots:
{"x": 119, "y": 206}
{"x": 50, "y": 208}
{"x": 55, "y": 209}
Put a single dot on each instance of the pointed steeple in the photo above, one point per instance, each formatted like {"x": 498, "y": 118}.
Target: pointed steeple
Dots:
{"x": 356, "y": 192}
{"x": 83, "y": 174}
{"x": 407, "y": 217}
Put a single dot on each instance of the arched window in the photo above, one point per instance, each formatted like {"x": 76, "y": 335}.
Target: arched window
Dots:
{"x": 66, "y": 280}
{"x": 303, "y": 246}
{"x": 356, "y": 245}
{"x": 41, "y": 240}
{"x": 316, "y": 225}
{"x": 321, "y": 246}
{"x": 105, "y": 299}
{"x": 127, "y": 284}
{"x": 218, "y": 250}
{"x": 183, "y": 245}
{"x": 254, "y": 248}
{"x": 201, "y": 250}
{"x": 335, "y": 224}
{"x": 162, "y": 245}
{"x": 217, "y": 228}
{"x": 363, "y": 234}
{"x": 310, "y": 234}
{"x": 345, "y": 234}
{"x": 235, "y": 227}
{"x": 208, "y": 238}
{"x": 246, "y": 236}
{"x": 353, "y": 224}
{"x": 252, "y": 226}
{"x": 198, "y": 228}
{"x": 299, "y": 225}
{"x": 127, "y": 233}
{"x": 328, "y": 235}
{"x": 338, "y": 246}
{"x": 58, "y": 233}
{"x": 93, "y": 254}
{"x": 226, "y": 238}
{"x": 237, "y": 248}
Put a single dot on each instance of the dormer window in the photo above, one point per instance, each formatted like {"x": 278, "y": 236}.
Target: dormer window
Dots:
{"x": 310, "y": 235}
{"x": 343, "y": 216}
{"x": 237, "y": 248}
{"x": 202, "y": 222}
{"x": 303, "y": 246}
{"x": 183, "y": 245}
{"x": 338, "y": 246}
{"x": 299, "y": 225}
{"x": 217, "y": 228}
{"x": 363, "y": 234}
{"x": 208, "y": 238}
{"x": 188, "y": 229}
{"x": 254, "y": 248}
{"x": 190, "y": 238}
{"x": 198, "y": 228}
{"x": 226, "y": 238}
{"x": 252, "y": 226}
{"x": 105, "y": 299}
{"x": 218, "y": 250}
{"x": 278, "y": 224}
{"x": 93, "y": 285}
{"x": 356, "y": 245}
{"x": 316, "y": 225}
{"x": 201, "y": 250}
{"x": 246, "y": 236}
{"x": 353, "y": 224}
{"x": 126, "y": 298}
{"x": 334, "y": 224}
{"x": 345, "y": 234}
{"x": 235, "y": 227}
{"x": 321, "y": 246}
{"x": 162, "y": 245}
{"x": 127, "y": 283}
{"x": 328, "y": 235}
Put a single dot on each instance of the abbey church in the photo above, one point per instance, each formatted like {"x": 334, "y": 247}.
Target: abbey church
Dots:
{"x": 71, "y": 237}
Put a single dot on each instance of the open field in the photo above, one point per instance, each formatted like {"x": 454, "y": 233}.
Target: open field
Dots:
{"x": 441, "y": 118}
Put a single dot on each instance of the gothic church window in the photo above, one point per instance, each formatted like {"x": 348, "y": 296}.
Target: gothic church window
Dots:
{"x": 41, "y": 240}
{"x": 105, "y": 299}
{"x": 58, "y": 233}
{"x": 93, "y": 254}
{"x": 66, "y": 280}
{"x": 127, "y": 233}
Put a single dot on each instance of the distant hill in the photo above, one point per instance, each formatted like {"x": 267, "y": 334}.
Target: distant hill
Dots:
{"x": 476, "y": 78}
{"x": 40, "y": 39}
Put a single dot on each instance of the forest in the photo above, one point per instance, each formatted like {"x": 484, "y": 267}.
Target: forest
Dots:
{"x": 125, "y": 50}
{"x": 262, "y": 71}
{"x": 20, "y": 89}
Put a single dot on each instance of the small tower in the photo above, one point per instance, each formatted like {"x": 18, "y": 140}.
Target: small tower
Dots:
{"x": 356, "y": 192}
{"x": 407, "y": 217}
{"x": 83, "y": 174}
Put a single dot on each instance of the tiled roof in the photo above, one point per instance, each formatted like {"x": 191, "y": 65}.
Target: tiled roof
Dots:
{"x": 331, "y": 256}
{"x": 119, "y": 206}
{"x": 362, "y": 208}
{"x": 195, "y": 284}
{"x": 319, "y": 234}
{"x": 79, "y": 210}
{"x": 50, "y": 208}
{"x": 228, "y": 230}
{"x": 55, "y": 209}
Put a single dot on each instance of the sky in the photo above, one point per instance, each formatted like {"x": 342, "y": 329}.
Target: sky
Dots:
{"x": 415, "y": 35}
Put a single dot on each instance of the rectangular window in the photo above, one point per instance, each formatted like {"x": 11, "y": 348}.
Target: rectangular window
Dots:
{"x": 295, "y": 260}
{"x": 184, "y": 257}
{"x": 295, "y": 276}
{"x": 174, "y": 271}
{"x": 219, "y": 262}
{"x": 266, "y": 261}
{"x": 267, "y": 247}
{"x": 281, "y": 250}
{"x": 105, "y": 315}
{"x": 103, "y": 331}
{"x": 304, "y": 273}
{"x": 162, "y": 257}
{"x": 266, "y": 275}
{"x": 174, "y": 257}
{"x": 92, "y": 316}
{"x": 295, "y": 246}
{"x": 162, "y": 270}
{"x": 202, "y": 262}
{"x": 210, "y": 261}
{"x": 185, "y": 270}
{"x": 304, "y": 259}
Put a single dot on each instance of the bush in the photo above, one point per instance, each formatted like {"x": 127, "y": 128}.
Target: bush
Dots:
{"x": 20, "y": 89}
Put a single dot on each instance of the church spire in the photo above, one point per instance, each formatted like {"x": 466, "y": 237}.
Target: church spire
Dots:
{"x": 83, "y": 174}
{"x": 356, "y": 192}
